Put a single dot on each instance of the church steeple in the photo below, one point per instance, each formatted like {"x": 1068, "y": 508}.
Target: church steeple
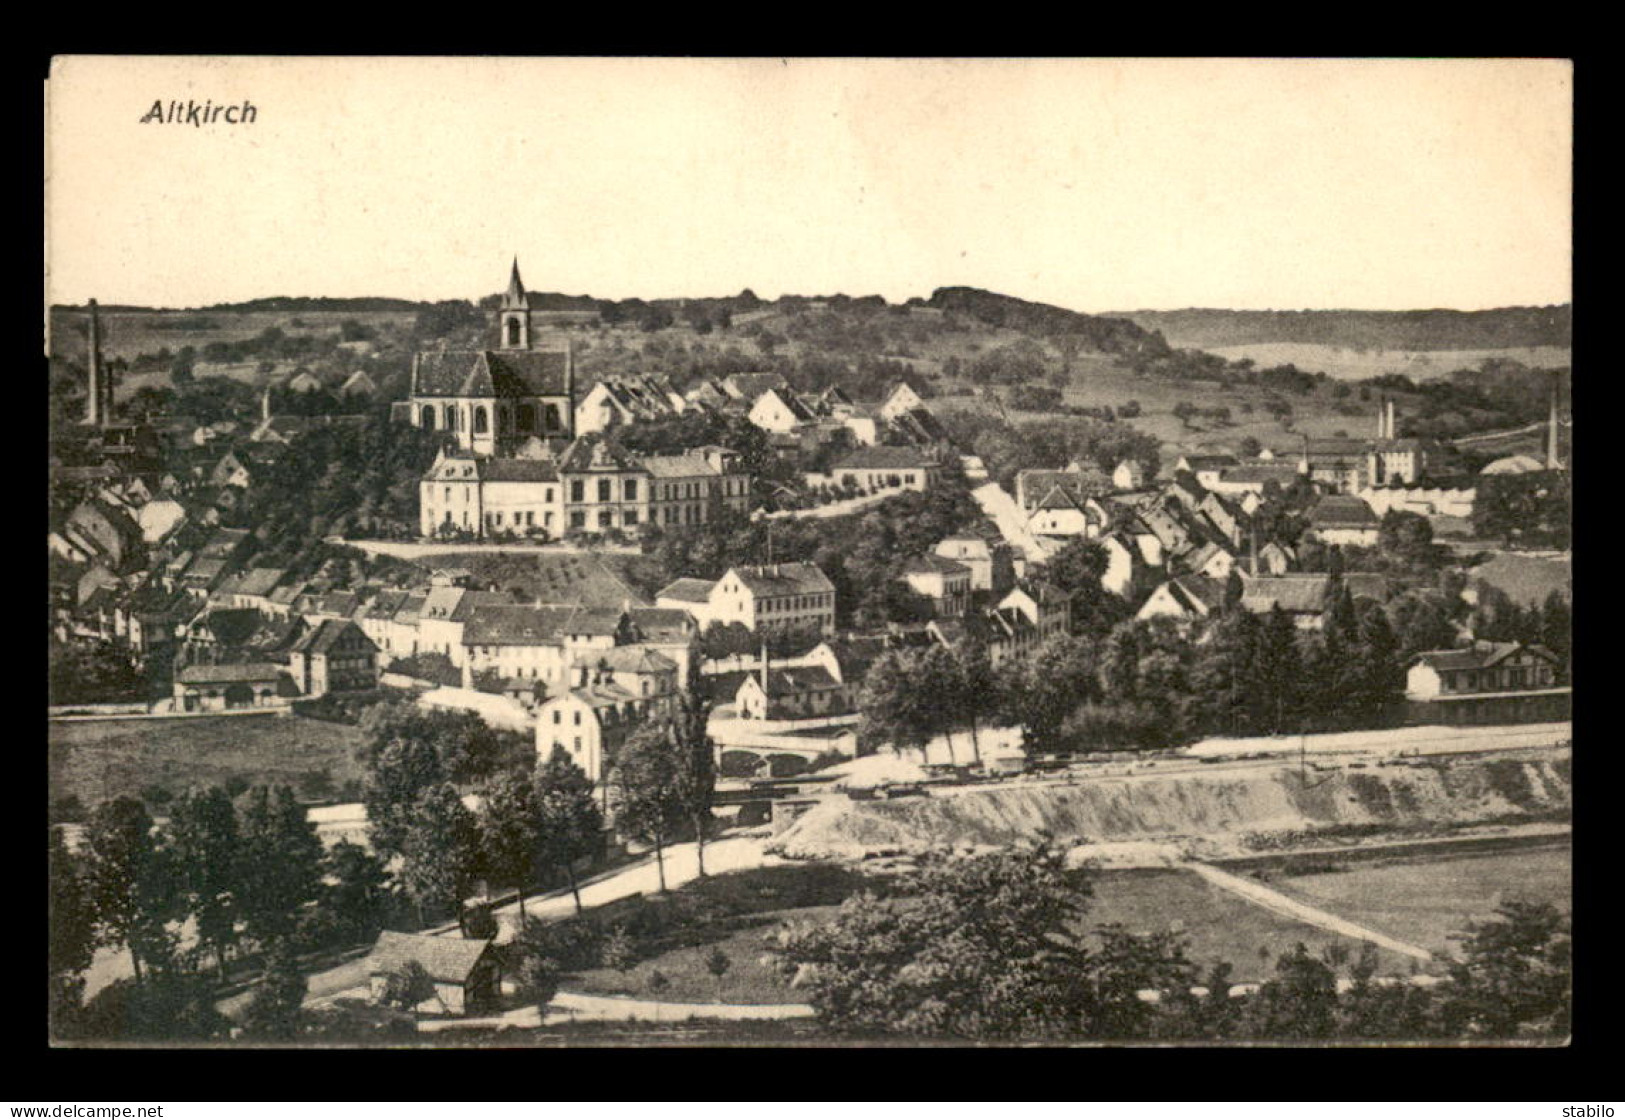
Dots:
{"x": 514, "y": 321}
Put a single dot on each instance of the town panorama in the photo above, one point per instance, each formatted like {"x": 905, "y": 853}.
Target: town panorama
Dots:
{"x": 537, "y": 670}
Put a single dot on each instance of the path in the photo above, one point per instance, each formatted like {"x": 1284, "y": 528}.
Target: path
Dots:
{"x": 1260, "y": 895}
{"x": 414, "y": 550}
{"x": 1002, "y": 508}
{"x": 837, "y": 509}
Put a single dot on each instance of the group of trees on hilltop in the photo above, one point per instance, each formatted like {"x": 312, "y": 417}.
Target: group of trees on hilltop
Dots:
{"x": 1006, "y": 448}
{"x": 997, "y": 948}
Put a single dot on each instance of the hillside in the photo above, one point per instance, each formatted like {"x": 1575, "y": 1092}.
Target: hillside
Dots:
{"x": 1498, "y": 329}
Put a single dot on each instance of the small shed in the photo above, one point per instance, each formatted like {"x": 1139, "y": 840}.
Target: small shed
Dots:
{"x": 466, "y": 976}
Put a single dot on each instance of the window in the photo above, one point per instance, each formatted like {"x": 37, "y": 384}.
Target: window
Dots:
{"x": 577, "y": 489}
{"x": 578, "y": 520}
{"x": 631, "y": 517}
{"x": 527, "y": 418}
{"x": 606, "y": 519}
{"x": 481, "y": 422}
{"x": 513, "y": 331}
{"x": 552, "y": 418}
{"x": 555, "y": 716}
{"x": 426, "y": 418}
{"x": 630, "y": 489}
{"x": 578, "y": 724}
{"x": 606, "y": 490}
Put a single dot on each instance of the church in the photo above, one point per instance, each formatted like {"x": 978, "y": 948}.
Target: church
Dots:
{"x": 495, "y": 401}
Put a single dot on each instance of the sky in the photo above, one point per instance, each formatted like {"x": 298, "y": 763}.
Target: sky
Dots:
{"x": 1092, "y": 184}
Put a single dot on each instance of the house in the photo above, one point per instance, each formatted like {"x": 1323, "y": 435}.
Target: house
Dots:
{"x": 779, "y": 411}
{"x": 887, "y": 468}
{"x": 1079, "y": 482}
{"x": 334, "y": 656}
{"x": 989, "y": 563}
{"x": 900, "y": 398}
{"x": 1130, "y": 474}
{"x": 765, "y": 597}
{"x": 1059, "y": 513}
{"x": 625, "y": 400}
{"x": 607, "y": 698}
{"x": 1252, "y": 478}
{"x": 233, "y": 687}
{"x": 920, "y": 428}
{"x": 1344, "y": 519}
{"x": 358, "y": 384}
{"x": 1128, "y": 558}
{"x": 947, "y": 583}
{"x": 1212, "y": 559}
{"x": 1207, "y": 469}
{"x": 1185, "y": 598}
{"x": 1429, "y": 501}
{"x": 1485, "y": 667}
{"x": 467, "y": 978}
{"x": 1275, "y": 558}
{"x": 1045, "y": 607}
{"x": 743, "y": 389}
{"x": 251, "y": 589}
{"x": 1514, "y": 464}
{"x": 806, "y": 692}
{"x": 159, "y": 518}
{"x": 1305, "y": 596}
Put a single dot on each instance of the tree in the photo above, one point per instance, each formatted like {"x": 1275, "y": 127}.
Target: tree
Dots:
{"x": 570, "y": 824}
{"x": 274, "y": 1013}
{"x": 1276, "y": 668}
{"x": 1077, "y": 570}
{"x": 1300, "y": 1001}
{"x": 355, "y": 890}
{"x": 1557, "y": 633}
{"x": 985, "y": 949}
{"x": 439, "y": 851}
{"x": 72, "y": 937}
{"x": 717, "y": 964}
{"x": 204, "y": 846}
{"x": 894, "y": 710}
{"x": 407, "y": 986}
{"x": 128, "y": 881}
{"x": 280, "y": 861}
{"x": 1040, "y": 691}
{"x": 694, "y": 762}
{"x": 536, "y": 980}
{"x": 643, "y": 791}
{"x": 1515, "y": 977}
{"x": 510, "y": 832}
{"x": 619, "y": 950}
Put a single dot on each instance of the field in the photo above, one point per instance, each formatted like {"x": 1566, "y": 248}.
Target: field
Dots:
{"x": 102, "y": 759}
{"x": 1218, "y": 925}
{"x": 1426, "y": 903}
{"x": 1352, "y": 364}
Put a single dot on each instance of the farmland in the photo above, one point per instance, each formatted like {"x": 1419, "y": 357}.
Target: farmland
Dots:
{"x": 102, "y": 759}
{"x": 1427, "y": 902}
{"x": 1419, "y": 365}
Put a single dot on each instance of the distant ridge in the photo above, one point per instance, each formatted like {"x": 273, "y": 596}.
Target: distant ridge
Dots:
{"x": 1433, "y": 329}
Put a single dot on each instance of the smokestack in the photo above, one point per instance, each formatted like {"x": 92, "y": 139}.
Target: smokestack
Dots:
{"x": 1382, "y": 415}
{"x": 764, "y": 667}
{"x": 1552, "y": 462}
{"x": 95, "y": 411}
{"x": 265, "y": 405}
{"x": 1393, "y": 431}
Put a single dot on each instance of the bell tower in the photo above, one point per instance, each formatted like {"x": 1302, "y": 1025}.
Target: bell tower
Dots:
{"x": 514, "y": 319}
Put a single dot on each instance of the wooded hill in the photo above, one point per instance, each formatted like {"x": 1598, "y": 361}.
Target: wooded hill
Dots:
{"x": 1500, "y": 328}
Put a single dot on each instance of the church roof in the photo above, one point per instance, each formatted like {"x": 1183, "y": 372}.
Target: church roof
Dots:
{"x": 492, "y": 373}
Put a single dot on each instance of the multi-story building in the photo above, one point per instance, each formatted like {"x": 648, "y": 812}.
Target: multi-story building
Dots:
{"x": 777, "y": 597}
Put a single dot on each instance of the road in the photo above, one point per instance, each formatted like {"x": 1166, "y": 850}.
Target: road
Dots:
{"x": 1012, "y": 524}
{"x": 418, "y": 550}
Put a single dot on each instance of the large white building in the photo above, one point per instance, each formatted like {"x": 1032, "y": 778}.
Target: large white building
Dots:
{"x": 769, "y": 597}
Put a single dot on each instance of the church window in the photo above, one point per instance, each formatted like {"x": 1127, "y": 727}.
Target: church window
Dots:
{"x": 527, "y": 418}
{"x": 553, "y": 418}
{"x": 426, "y": 418}
{"x": 480, "y": 421}
{"x": 513, "y": 331}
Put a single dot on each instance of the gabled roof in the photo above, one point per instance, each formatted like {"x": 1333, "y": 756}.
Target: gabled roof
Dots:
{"x": 750, "y": 386}
{"x": 794, "y": 681}
{"x": 1295, "y": 594}
{"x": 594, "y": 452}
{"x": 688, "y": 590}
{"x": 321, "y": 638}
{"x": 784, "y": 579}
{"x": 450, "y": 960}
{"x": 662, "y": 622}
{"x": 1196, "y": 594}
{"x": 635, "y": 659}
{"x": 236, "y": 673}
{"x": 882, "y": 457}
{"x": 492, "y": 373}
{"x": 1343, "y": 511}
{"x": 930, "y": 564}
{"x": 921, "y": 424}
{"x": 1482, "y": 655}
{"x": 678, "y": 466}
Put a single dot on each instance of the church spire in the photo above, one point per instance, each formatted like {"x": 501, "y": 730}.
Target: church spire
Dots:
{"x": 515, "y": 296}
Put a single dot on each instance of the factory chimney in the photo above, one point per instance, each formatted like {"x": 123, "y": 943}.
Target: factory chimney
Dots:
{"x": 1552, "y": 461}
{"x": 97, "y": 396}
{"x": 1382, "y": 416}
{"x": 1393, "y": 429}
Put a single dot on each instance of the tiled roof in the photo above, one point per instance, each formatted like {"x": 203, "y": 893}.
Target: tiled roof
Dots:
{"x": 321, "y": 638}
{"x": 1197, "y": 593}
{"x": 634, "y": 659}
{"x": 492, "y": 373}
{"x": 1481, "y": 655}
{"x": 688, "y": 590}
{"x": 1343, "y": 511}
{"x": 795, "y": 680}
{"x": 240, "y": 673}
{"x": 518, "y": 470}
{"x": 450, "y": 960}
{"x": 678, "y": 466}
{"x": 662, "y": 622}
{"x": 882, "y": 457}
{"x": 929, "y": 564}
{"x": 1295, "y": 594}
{"x": 1526, "y": 580}
{"x": 784, "y": 579}
{"x": 1209, "y": 462}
